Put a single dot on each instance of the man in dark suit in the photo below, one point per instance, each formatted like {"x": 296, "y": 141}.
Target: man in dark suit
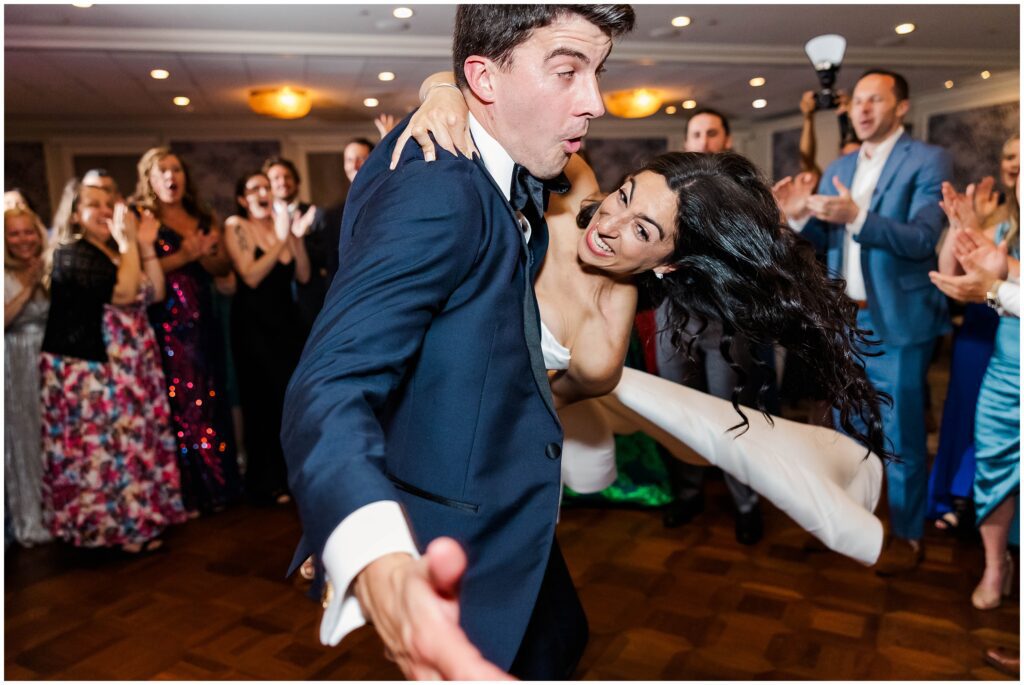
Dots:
{"x": 323, "y": 236}
{"x": 703, "y": 366}
{"x": 420, "y": 420}
{"x": 877, "y": 215}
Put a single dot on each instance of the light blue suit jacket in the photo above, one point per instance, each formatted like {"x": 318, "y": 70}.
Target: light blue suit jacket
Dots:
{"x": 898, "y": 241}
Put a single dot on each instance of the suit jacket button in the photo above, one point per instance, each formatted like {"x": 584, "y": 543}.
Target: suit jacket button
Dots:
{"x": 553, "y": 451}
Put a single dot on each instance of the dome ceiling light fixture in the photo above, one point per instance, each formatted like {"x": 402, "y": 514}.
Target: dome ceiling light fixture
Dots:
{"x": 402, "y": 13}
{"x": 635, "y": 103}
{"x": 181, "y": 101}
{"x": 386, "y": 76}
{"x": 904, "y": 29}
{"x": 159, "y": 74}
{"x": 281, "y": 103}
{"x": 689, "y": 104}
{"x": 680, "y": 22}
{"x": 757, "y": 82}
{"x": 371, "y": 102}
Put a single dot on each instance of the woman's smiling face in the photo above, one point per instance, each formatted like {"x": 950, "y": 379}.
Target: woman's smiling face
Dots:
{"x": 634, "y": 229}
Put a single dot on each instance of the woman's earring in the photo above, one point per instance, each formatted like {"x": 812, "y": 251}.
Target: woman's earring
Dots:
{"x": 659, "y": 275}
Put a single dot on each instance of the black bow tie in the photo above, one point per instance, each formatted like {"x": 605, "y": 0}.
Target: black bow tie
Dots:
{"x": 527, "y": 188}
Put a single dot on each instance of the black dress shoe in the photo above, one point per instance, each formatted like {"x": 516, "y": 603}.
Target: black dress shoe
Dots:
{"x": 679, "y": 512}
{"x": 749, "y": 528}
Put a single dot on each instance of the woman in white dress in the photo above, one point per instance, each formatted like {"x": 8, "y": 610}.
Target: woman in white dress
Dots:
{"x": 703, "y": 232}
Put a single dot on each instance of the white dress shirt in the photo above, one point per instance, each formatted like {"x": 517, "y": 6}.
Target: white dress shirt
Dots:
{"x": 865, "y": 179}
{"x": 381, "y": 528}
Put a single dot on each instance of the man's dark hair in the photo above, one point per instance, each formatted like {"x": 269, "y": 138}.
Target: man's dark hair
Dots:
{"x": 361, "y": 141}
{"x": 286, "y": 163}
{"x": 713, "y": 112}
{"x": 900, "y": 87}
{"x": 494, "y": 31}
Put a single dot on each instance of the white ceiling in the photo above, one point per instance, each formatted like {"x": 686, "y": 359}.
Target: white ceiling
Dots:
{"x": 64, "y": 64}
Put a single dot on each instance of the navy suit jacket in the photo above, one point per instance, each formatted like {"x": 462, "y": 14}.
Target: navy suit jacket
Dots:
{"x": 417, "y": 385}
{"x": 898, "y": 241}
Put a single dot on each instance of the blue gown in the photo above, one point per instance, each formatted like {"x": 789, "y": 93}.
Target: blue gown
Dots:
{"x": 952, "y": 473}
{"x": 997, "y": 423}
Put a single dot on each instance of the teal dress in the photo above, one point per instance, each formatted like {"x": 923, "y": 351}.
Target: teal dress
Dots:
{"x": 997, "y": 422}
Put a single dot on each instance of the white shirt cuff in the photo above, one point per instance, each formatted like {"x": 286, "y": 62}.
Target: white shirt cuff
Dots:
{"x": 1009, "y": 298}
{"x": 855, "y": 226}
{"x": 798, "y": 224}
{"x": 365, "y": 535}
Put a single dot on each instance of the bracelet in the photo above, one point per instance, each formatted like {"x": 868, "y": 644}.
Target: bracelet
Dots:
{"x": 440, "y": 85}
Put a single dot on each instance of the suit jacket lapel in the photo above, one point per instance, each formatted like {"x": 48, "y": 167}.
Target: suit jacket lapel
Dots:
{"x": 892, "y": 165}
{"x": 533, "y": 253}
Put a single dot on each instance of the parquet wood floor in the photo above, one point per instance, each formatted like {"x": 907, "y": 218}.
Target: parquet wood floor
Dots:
{"x": 676, "y": 604}
{"x": 683, "y": 604}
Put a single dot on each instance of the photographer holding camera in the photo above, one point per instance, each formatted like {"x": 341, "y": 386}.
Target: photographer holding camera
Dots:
{"x": 812, "y": 102}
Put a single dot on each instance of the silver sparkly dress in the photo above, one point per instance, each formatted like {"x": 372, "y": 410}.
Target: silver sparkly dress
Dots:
{"x": 23, "y": 453}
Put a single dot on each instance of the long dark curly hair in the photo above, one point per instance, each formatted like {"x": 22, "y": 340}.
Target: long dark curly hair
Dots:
{"x": 737, "y": 263}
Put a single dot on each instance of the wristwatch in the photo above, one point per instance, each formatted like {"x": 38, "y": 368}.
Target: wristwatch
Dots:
{"x": 992, "y": 296}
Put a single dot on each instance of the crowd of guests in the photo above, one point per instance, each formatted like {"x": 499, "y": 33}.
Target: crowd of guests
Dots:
{"x": 139, "y": 323}
{"x": 133, "y": 328}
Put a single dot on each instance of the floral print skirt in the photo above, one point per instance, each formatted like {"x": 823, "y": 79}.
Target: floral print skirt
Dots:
{"x": 111, "y": 477}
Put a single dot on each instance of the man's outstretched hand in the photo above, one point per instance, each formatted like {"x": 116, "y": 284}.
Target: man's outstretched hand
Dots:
{"x": 414, "y": 606}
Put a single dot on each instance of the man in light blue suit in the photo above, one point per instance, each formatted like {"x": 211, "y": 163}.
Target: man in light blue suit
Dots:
{"x": 877, "y": 216}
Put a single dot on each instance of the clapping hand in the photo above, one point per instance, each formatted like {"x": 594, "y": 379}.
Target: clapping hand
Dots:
{"x": 198, "y": 244}
{"x": 384, "y": 124}
{"x": 984, "y": 198}
{"x": 123, "y": 227}
{"x": 148, "y": 228}
{"x": 282, "y": 221}
{"x": 791, "y": 193}
{"x": 414, "y": 606}
{"x": 301, "y": 224}
{"x": 976, "y": 252}
{"x": 959, "y": 208}
{"x": 34, "y": 271}
{"x": 836, "y": 209}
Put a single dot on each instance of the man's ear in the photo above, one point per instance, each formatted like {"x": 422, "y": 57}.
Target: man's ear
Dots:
{"x": 902, "y": 107}
{"x": 243, "y": 202}
{"x": 480, "y": 73}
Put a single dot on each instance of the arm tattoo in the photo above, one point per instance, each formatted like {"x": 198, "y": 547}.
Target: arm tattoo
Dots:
{"x": 240, "y": 234}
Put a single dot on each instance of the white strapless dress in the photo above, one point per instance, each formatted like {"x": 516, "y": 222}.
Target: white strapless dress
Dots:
{"x": 822, "y": 479}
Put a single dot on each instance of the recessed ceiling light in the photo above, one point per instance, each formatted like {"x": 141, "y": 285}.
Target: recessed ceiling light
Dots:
{"x": 371, "y": 102}
{"x": 402, "y": 13}
{"x": 948, "y": 84}
{"x": 689, "y": 104}
{"x": 670, "y": 109}
{"x": 386, "y": 76}
{"x": 82, "y": 5}
{"x": 159, "y": 74}
{"x": 680, "y": 22}
{"x": 986, "y": 74}
{"x": 759, "y": 103}
{"x": 757, "y": 81}
{"x": 181, "y": 101}
{"x": 904, "y": 29}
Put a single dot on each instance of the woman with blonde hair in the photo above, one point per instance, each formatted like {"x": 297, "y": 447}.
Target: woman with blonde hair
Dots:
{"x": 190, "y": 251}
{"x": 26, "y": 302}
{"x": 110, "y": 478}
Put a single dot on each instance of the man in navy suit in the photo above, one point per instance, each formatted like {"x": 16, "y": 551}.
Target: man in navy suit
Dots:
{"x": 877, "y": 215}
{"x": 420, "y": 421}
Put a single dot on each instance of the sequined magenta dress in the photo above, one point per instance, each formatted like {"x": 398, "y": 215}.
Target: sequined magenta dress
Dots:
{"x": 193, "y": 362}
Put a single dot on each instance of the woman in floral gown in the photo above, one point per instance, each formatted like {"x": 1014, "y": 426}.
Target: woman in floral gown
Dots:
{"x": 188, "y": 246}
{"x": 110, "y": 476}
